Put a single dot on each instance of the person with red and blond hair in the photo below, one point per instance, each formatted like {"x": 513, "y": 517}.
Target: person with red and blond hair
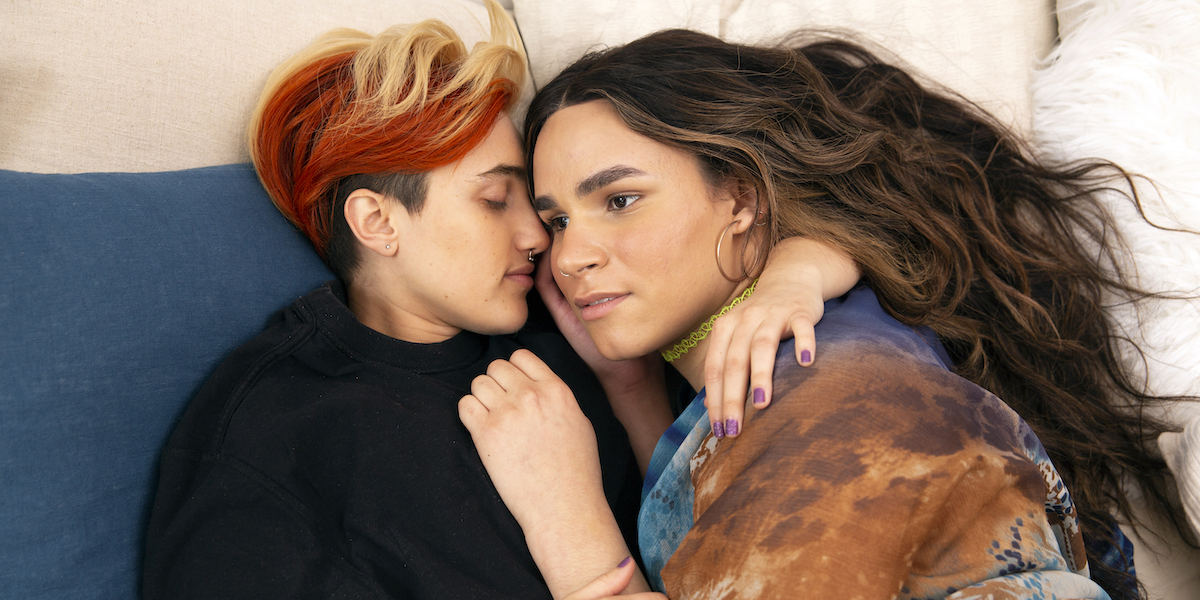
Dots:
{"x": 325, "y": 457}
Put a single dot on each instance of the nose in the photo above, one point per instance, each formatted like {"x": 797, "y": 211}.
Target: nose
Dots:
{"x": 577, "y": 251}
{"x": 531, "y": 235}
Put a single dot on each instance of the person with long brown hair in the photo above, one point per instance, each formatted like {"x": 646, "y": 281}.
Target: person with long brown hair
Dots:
{"x": 642, "y": 155}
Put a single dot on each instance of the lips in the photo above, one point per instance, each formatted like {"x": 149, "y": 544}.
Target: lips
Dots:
{"x": 521, "y": 275}
{"x": 596, "y": 305}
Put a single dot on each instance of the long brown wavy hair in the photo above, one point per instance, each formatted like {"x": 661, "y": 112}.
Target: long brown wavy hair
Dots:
{"x": 951, "y": 221}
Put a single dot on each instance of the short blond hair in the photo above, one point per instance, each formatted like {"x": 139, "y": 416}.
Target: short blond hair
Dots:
{"x": 405, "y": 101}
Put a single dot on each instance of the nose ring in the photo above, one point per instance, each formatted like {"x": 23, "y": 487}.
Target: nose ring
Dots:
{"x": 563, "y": 274}
{"x": 531, "y": 255}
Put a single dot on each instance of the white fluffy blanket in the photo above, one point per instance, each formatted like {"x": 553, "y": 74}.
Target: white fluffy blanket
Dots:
{"x": 1124, "y": 84}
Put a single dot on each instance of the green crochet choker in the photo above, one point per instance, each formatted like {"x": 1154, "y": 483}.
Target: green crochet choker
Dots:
{"x": 703, "y": 330}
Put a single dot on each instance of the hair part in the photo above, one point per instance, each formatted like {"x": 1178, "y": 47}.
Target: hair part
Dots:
{"x": 951, "y": 221}
{"x": 381, "y": 111}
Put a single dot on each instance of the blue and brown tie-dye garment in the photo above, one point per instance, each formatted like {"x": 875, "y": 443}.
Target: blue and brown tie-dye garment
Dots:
{"x": 875, "y": 473}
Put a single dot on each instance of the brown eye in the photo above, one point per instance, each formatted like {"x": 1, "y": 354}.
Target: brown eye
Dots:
{"x": 623, "y": 201}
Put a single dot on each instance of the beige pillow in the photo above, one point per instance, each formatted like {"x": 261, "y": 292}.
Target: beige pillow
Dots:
{"x": 149, "y": 86}
{"x": 984, "y": 50}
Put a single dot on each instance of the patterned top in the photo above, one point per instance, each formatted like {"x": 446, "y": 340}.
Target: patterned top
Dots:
{"x": 875, "y": 473}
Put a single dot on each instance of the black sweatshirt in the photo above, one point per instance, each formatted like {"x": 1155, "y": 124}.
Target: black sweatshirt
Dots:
{"x": 323, "y": 459}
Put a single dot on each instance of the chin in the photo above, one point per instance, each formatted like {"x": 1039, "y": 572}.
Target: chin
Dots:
{"x": 506, "y": 324}
{"x": 615, "y": 348}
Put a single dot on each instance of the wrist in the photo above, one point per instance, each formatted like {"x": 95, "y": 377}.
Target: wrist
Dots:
{"x": 573, "y": 547}
{"x": 806, "y": 261}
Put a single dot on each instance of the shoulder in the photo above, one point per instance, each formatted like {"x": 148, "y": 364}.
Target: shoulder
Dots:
{"x": 876, "y": 372}
{"x": 237, "y": 375}
{"x": 863, "y": 392}
{"x": 857, "y": 320}
{"x": 879, "y": 391}
{"x": 293, "y": 383}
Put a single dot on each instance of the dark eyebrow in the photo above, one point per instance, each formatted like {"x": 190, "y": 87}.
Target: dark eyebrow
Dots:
{"x": 504, "y": 170}
{"x": 592, "y": 183}
{"x": 541, "y": 203}
{"x": 602, "y": 178}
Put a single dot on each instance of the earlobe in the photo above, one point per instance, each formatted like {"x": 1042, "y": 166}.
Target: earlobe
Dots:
{"x": 369, "y": 215}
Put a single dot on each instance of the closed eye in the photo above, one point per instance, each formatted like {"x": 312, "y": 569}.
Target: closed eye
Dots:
{"x": 497, "y": 206}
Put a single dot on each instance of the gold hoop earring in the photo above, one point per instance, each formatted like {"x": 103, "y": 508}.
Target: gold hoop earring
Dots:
{"x": 719, "y": 240}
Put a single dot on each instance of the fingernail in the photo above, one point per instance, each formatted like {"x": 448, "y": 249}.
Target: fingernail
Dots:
{"x": 760, "y": 396}
{"x": 805, "y": 357}
{"x": 625, "y": 562}
{"x": 718, "y": 429}
{"x": 731, "y": 427}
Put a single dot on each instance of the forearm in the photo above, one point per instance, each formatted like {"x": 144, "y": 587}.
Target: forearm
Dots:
{"x": 646, "y": 414}
{"x": 637, "y": 392}
{"x": 805, "y": 260}
{"x": 574, "y": 546}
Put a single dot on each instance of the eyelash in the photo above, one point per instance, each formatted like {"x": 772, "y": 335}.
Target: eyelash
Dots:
{"x": 613, "y": 200}
{"x": 552, "y": 226}
{"x": 559, "y": 223}
{"x": 492, "y": 204}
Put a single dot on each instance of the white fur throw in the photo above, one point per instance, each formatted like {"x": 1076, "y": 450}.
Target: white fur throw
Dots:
{"x": 1124, "y": 84}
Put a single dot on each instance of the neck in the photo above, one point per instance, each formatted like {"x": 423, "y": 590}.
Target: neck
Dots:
{"x": 691, "y": 363}
{"x": 379, "y": 311}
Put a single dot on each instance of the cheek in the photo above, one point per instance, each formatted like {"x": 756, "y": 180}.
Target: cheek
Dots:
{"x": 485, "y": 245}
{"x": 668, "y": 249}
{"x": 649, "y": 253}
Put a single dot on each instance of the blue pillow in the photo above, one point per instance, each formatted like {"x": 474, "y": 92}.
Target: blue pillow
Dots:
{"x": 121, "y": 293}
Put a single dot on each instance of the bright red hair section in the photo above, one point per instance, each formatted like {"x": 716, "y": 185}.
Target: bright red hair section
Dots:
{"x": 310, "y": 136}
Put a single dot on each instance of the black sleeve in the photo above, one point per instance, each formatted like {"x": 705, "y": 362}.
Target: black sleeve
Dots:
{"x": 237, "y": 537}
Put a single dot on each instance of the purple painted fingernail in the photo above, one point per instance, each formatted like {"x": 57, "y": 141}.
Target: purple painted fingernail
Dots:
{"x": 805, "y": 357}
{"x": 731, "y": 427}
{"x": 718, "y": 429}
{"x": 760, "y": 396}
{"x": 625, "y": 562}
